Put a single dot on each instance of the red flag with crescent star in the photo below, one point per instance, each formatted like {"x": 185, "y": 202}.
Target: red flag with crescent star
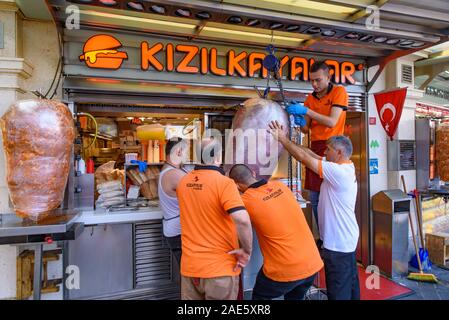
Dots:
{"x": 389, "y": 106}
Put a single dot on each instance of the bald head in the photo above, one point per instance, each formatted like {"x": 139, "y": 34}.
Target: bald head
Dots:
{"x": 242, "y": 175}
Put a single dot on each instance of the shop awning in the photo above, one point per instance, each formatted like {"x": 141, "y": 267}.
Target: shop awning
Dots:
{"x": 363, "y": 28}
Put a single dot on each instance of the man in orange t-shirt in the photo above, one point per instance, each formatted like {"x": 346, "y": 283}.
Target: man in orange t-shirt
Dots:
{"x": 213, "y": 222}
{"x": 324, "y": 114}
{"x": 290, "y": 257}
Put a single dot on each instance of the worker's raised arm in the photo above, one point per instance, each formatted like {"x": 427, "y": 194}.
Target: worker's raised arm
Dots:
{"x": 298, "y": 109}
{"x": 339, "y": 104}
{"x": 300, "y": 153}
{"x": 329, "y": 121}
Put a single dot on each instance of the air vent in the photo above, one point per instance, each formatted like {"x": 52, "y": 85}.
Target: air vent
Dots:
{"x": 152, "y": 258}
{"x": 356, "y": 103}
{"x": 407, "y": 74}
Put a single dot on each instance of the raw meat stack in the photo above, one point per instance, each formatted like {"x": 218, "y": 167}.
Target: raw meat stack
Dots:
{"x": 37, "y": 138}
{"x": 442, "y": 151}
{"x": 253, "y": 119}
{"x": 147, "y": 181}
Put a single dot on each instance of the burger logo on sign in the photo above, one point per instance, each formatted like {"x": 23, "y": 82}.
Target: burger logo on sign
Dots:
{"x": 101, "y": 51}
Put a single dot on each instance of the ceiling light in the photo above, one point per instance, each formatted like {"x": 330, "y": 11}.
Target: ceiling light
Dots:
{"x": 292, "y": 27}
{"x": 393, "y": 41}
{"x": 380, "y": 39}
{"x": 186, "y": 118}
{"x": 253, "y": 22}
{"x": 313, "y": 30}
{"x": 183, "y": 13}
{"x": 145, "y": 22}
{"x": 142, "y": 118}
{"x": 130, "y": 118}
{"x": 418, "y": 44}
{"x": 241, "y": 35}
{"x": 106, "y": 2}
{"x": 157, "y": 9}
{"x": 352, "y": 36}
{"x": 295, "y": 6}
{"x": 149, "y": 118}
{"x": 276, "y": 25}
{"x": 406, "y": 43}
{"x": 135, "y": 6}
{"x": 366, "y": 37}
{"x": 235, "y": 19}
{"x": 329, "y": 33}
{"x": 203, "y": 15}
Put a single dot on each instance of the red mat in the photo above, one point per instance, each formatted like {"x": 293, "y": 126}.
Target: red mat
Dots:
{"x": 388, "y": 289}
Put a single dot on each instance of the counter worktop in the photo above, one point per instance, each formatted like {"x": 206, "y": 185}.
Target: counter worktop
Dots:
{"x": 101, "y": 216}
{"x": 122, "y": 216}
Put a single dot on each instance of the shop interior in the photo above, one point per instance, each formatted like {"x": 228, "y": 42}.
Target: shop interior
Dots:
{"x": 107, "y": 151}
{"x": 111, "y": 143}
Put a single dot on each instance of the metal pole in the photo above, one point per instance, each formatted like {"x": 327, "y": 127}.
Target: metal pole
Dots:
{"x": 37, "y": 272}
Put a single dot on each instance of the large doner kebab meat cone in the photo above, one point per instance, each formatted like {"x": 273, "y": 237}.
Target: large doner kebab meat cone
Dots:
{"x": 442, "y": 151}
{"x": 254, "y": 117}
{"x": 37, "y": 139}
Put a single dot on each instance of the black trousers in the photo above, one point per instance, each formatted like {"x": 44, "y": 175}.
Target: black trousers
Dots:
{"x": 267, "y": 289}
{"x": 174, "y": 243}
{"x": 342, "y": 277}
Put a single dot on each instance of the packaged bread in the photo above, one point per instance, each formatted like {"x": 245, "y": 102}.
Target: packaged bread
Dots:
{"x": 38, "y": 138}
{"x": 442, "y": 151}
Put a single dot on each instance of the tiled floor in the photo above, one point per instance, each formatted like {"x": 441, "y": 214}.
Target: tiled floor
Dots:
{"x": 422, "y": 290}
{"x": 429, "y": 291}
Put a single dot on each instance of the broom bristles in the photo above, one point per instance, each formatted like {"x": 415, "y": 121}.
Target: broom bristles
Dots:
{"x": 426, "y": 277}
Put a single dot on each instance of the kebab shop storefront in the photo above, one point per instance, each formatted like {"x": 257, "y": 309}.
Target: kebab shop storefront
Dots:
{"x": 126, "y": 80}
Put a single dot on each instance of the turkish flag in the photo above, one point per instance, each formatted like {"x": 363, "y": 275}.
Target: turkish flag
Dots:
{"x": 389, "y": 106}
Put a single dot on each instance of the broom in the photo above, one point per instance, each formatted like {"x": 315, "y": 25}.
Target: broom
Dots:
{"x": 417, "y": 276}
{"x": 423, "y": 253}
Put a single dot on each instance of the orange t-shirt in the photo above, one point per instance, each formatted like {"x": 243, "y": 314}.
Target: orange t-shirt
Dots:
{"x": 288, "y": 248}
{"x": 206, "y": 199}
{"x": 336, "y": 97}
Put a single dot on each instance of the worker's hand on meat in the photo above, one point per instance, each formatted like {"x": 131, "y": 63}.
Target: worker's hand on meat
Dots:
{"x": 296, "y": 108}
{"x": 242, "y": 258}
{"x": 277, "y": 131}
{"x": 300, "y": 121}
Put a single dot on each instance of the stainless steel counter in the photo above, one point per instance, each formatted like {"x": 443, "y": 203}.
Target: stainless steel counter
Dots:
{"x": 122, "y": 216}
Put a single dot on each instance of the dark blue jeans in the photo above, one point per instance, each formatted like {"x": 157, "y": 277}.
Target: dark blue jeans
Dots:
{"x": 175, "y": 245}
{"x": 342, "y": 277}
{"x": 267, "y": 289}
{"x": 314, "y": 197}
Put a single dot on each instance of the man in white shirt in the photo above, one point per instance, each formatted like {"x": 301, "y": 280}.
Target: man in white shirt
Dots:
{"x": 336, "y": 210}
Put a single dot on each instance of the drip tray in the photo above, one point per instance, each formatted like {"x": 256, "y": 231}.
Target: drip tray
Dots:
{"x": 58, "y": 225}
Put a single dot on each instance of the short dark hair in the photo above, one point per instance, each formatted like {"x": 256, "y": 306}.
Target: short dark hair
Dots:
{"x": 241, "y": 173}
{"x": 171, "y": 144}
{"x": 319, "y": 65}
